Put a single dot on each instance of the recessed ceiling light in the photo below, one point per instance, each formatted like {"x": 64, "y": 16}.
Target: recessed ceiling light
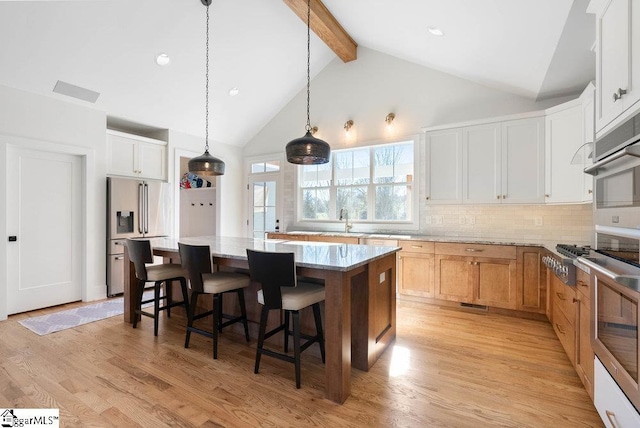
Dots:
{"x": 435, "y": 31}
{"x": 163, "y": 59}
{"x": 233, "y": 92}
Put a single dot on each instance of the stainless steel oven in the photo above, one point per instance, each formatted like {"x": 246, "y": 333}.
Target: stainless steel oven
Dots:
{"x": 615, "y": 309}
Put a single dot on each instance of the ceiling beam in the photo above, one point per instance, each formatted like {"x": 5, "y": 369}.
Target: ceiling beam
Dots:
{"x": 326, "y": 27}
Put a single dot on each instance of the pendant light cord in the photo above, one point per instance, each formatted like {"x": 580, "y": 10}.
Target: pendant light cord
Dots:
{"x": 206, "y": 91}
{"x": 308, "y": 127}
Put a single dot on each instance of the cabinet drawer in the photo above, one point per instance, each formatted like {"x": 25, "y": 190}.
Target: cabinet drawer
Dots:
{"x": 476, "y": 250}
{"x": 379, "y": 242}
{"x": 583, "y": 284}
{"x": 564, "y": 298}
{"x": 566, "y": 332}
{"x": 612, "y": 405}
{"x": 417, "y": 246}
{"x": 286, "y": 237}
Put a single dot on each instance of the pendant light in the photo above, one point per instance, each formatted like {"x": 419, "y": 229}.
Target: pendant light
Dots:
{"x": 205, "y": 164}
{"x": 308, "y": 150}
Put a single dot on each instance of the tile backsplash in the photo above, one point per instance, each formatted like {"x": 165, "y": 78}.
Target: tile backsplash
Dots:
{"x": 546, "y": 224}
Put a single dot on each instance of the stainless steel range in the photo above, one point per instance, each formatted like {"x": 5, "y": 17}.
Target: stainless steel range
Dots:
{"x": 563, "y": 262}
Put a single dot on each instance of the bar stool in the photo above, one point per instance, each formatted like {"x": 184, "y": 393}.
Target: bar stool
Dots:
{"x": 140, "y": 254}
{"x": 281, "y": 290}
{"x": 196, "y": 260}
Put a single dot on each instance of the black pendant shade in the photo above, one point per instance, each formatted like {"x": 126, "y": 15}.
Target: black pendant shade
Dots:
{"x": 308, "y": 150}
{"x": 206, "y": 165}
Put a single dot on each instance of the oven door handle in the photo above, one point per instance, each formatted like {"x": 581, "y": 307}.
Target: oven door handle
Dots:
{"x": 627, "y": 151}
{"x": 630, "y": 281}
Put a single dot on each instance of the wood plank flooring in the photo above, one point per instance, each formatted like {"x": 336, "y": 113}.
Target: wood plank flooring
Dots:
{"x": 447, "y": 368}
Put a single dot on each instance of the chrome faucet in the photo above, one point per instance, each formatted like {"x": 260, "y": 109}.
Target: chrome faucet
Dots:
{"x": 344, "y": 215}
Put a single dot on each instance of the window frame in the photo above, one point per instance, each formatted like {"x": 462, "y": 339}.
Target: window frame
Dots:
{"x": 369, "y": 225}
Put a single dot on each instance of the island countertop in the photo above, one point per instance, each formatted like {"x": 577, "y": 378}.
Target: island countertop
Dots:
{"x": 316, "y": 255}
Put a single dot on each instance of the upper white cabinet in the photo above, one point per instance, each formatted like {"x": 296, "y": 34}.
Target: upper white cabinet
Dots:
{"x": 503, "y": 162}
{"x": 134, "y": 156}
{"x": 494, "y": 162}
{"x": 569, "y": 135}
{"x": 617, "y": 58}
{"x": 443, "y": 172}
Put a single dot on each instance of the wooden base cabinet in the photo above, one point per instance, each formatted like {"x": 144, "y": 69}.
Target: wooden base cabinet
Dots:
{"x": 532, "y": 280}
{"x": 585, "y": 355}
{"x": 415, "y": 268}
{"x": 489, "y": 281}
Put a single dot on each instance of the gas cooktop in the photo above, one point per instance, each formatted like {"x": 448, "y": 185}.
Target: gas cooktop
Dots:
{"x": 573, "y": 251}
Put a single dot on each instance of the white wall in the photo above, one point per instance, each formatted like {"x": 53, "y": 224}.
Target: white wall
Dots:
{"x": 45, "y": 123}
{"x": 375, "y": 84}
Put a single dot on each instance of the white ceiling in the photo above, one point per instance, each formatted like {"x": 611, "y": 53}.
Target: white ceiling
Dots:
{"x": 534, "y": 48}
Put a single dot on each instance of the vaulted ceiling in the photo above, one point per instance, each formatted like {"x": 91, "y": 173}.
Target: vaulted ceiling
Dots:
{"x": 534, "y": 48}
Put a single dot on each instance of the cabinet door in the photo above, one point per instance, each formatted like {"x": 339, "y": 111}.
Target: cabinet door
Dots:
{"x": 532, "y": 281}
{"x": 452, "y": 278}
{"x": 584, "y": 362}
{"x": 612, "y": 62}
{"x": 481, "y": 170}
{"x": 121, "y": 155}
{"x": 415, "y": 273}
{"x": 522, "y": 161}
{"x": 563, "y": 137}
{"x": 152, "y": 161}
{"x": 494, "y": 282}
{"x": 443, "y": 166}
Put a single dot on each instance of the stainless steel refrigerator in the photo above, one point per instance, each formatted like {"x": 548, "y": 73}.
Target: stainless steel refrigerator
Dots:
{"x": 135, "y": 208}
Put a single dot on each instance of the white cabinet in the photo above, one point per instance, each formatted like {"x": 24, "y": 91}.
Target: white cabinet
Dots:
{"x": 134, "y": 156}
{"x": 503, "y": 162}
{"x": 443, "y": 172}
{"x": 614, "y": 408}
{"x": 617, "y": 58}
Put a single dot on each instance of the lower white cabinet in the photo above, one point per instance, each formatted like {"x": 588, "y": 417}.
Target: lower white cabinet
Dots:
{"x": 614, "y": 408}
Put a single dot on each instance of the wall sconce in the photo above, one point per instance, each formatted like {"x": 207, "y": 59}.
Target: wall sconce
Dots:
{"x": 389, "y": 121}
{"x": 314, "y": 130}
{"x": 347, "y": 125}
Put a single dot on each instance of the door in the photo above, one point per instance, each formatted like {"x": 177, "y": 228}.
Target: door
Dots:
{"x": 264, "y": 211}
{"x": 44, "y": 262}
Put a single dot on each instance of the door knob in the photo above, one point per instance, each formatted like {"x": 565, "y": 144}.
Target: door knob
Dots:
{"x": 13, "y": 238}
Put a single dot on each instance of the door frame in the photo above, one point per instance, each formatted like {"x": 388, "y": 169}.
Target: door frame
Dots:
{"x": 90, "y": 230}
{"x": 263, "y": 176}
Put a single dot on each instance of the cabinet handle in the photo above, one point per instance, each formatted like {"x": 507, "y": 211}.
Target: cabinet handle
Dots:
{"x": 589, "y": 191}
{"x": 611, "y": 416}
{"x": 474, "y": 250}
{"x": 560, "y": 296}
{"x": 504, "y": 196}
{"x": 582, "y": 283}
{"x": 576, "y": 300}
{"x": 416, "y": 246}
{"x": 427, "y": 198}
{"x": 119, "y": 258}
{"x": 498, "y": 196}
{"x": 559, "y": 327}
{"x": 546, "y": 195}
{"x": 618, "y": 94}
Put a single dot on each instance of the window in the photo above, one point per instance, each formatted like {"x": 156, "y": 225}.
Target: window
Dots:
{"x": 373, "y": 183}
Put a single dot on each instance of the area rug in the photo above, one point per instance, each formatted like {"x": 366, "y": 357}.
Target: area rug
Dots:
{"x": 70, "y": 318}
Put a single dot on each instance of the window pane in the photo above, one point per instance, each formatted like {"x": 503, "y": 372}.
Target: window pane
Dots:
{"x": 258, "y": 194}
{"x": 352, "y": 166}
{"x": 270, "y": 194}
{"x": 393, "y": 163}
{"x": 316, "y": 175}
{"x": 353, "y": 199}
{"x": 315, "y": 204}
{"x": 393, "y": 202}
{"x": 272, "y": 166}
{"x": 258, "y": 219}
{"x": 270, "y": 219}
{"x": 257, "y": 167}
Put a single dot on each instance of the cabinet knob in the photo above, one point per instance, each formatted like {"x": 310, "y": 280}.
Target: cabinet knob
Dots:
{"x": 427, "y": 198}
{"x": 589, "y": 191}
{"x": 618, "y": 94}
{"x": 546, "y": 196}
{"x": 504, "y": 196}
{"x": 498, "y": 196}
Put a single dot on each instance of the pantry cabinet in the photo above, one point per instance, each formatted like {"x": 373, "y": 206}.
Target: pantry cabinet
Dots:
{"x": 135, "y": 156}
{"x": 617, "y": 58}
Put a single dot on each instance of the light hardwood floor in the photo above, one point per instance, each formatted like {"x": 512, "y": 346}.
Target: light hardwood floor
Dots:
{"x": 447, "y": 368}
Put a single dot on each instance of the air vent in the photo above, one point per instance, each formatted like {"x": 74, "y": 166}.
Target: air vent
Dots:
{"x": 74, "y": 91}
{"x": 472, "y": 306}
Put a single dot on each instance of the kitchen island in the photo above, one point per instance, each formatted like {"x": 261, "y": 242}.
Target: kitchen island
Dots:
{"x": 360, "y": 295}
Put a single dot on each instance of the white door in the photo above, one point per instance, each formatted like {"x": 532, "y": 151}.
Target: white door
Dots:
{"x": 44, "y": 223}
{"x": 264, "y": 215}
